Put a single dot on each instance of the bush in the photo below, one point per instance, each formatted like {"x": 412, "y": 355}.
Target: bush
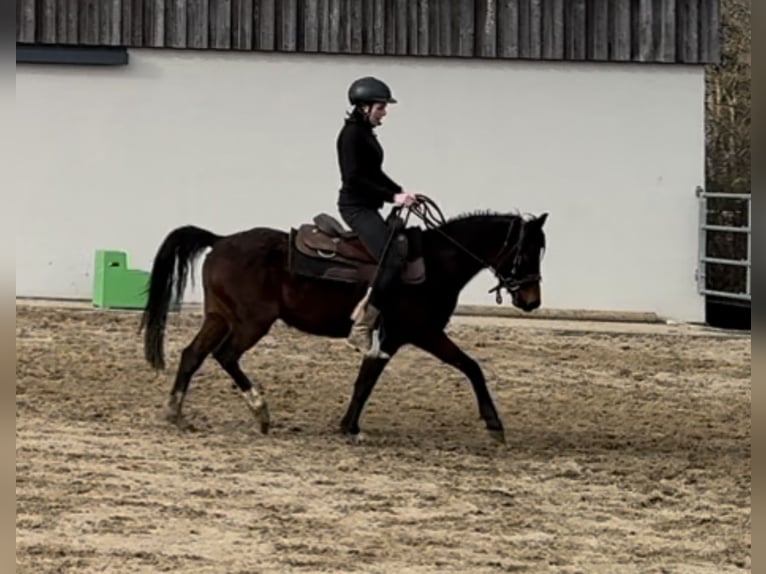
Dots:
{"x": 727, "y": 133}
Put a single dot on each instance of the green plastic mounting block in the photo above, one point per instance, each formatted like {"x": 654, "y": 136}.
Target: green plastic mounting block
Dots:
{"x": 115, "y": 285}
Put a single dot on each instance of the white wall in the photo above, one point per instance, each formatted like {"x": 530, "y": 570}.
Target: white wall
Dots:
{"x": 117, "y": 157}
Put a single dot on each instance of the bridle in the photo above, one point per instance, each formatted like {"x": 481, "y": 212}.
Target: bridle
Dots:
{"x": 432, "y": 217}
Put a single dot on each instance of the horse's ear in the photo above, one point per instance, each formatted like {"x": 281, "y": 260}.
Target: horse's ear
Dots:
{"x": 541, "y": 220}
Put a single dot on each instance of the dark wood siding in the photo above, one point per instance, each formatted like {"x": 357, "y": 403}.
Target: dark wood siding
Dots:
{"x": 586, "y": 30}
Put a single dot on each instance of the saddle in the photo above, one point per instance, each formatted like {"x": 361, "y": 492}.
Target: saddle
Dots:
{"x": 325, "y": 249}
{"x": 327, "y": 238}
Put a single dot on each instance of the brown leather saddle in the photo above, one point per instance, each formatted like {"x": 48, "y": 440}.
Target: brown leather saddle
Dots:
{"x": 326, "y": 249}
{"x": 328, "y": 239}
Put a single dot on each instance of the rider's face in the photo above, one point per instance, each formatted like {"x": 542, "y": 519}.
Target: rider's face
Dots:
{"x": 376, "y": 112}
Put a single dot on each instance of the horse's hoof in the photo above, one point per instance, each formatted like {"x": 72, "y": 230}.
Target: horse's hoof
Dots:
{"x": 498, "y": 435}
{"x": 173, "y": 408}
{"x": 355, "y": 439}
{"x": 173, "y": 414}
{"x": 265, "y": 418}
{"x": 178, "y": 421}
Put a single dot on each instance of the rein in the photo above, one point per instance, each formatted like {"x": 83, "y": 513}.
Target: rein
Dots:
{"x": 433, "y": 218}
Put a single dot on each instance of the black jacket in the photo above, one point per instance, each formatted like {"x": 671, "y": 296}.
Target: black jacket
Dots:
{"x": 360, "y": 157}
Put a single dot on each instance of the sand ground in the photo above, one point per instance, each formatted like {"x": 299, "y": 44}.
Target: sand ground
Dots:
{"x": 628, "y": 451}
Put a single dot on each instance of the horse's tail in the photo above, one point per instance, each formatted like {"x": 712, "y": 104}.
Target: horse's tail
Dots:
{"x": 172, "y": 264}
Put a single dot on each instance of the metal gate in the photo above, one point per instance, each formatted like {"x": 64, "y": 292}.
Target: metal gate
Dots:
{"x": 705, "y": 228}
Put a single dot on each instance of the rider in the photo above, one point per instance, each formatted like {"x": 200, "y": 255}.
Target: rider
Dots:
{"x": 365, "y": 188}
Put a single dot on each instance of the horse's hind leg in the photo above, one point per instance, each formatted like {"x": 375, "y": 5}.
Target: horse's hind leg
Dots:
{"x": 210, "y": 336}
{"x": 228, "y": 356}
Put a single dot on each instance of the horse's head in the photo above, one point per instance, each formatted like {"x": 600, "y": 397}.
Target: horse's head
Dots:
{"x": 518, "y": 263}
{"x": 510, "y": 245}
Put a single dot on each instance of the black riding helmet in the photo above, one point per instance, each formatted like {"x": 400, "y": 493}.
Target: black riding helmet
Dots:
{"x": 369, "y": 90}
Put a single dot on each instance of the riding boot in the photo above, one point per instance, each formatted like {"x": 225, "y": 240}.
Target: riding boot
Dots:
{"x": 365, "y": 316}
{"x": 361, "y": 331}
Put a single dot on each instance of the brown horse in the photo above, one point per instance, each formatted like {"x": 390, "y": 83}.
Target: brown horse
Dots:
{"x": 314, "y": 277}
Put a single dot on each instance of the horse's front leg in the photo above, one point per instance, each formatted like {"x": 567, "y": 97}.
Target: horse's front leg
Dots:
{"x": 442, "y": 347}
{"x": 369, "y": 373}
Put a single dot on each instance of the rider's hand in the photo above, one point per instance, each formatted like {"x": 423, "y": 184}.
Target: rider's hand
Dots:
{"x": 405, "y": 198}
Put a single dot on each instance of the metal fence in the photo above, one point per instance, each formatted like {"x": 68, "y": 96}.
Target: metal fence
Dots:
{"x": 727, "y": 232}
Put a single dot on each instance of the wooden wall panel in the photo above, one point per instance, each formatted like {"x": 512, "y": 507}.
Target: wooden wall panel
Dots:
{"x": 685, "y": 31}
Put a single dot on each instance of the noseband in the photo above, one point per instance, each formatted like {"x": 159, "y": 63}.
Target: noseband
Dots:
{"x": 511, "y": 282}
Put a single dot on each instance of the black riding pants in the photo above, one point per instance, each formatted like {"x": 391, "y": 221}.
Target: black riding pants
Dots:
{"x": 374, "y": 233}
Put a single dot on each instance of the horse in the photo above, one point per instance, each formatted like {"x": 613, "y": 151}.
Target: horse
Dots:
{"x": 313, "y": 278}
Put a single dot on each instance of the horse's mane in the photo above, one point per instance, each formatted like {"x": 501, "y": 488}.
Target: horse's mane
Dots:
{"x": 487, "y": 213}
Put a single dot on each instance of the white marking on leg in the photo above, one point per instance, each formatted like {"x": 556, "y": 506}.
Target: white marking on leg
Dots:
{"x": 356, "y": 438}
{"x": 257, "y": 403}
{"x": 254, "y": 400}
{"x": 375, "y": 350}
